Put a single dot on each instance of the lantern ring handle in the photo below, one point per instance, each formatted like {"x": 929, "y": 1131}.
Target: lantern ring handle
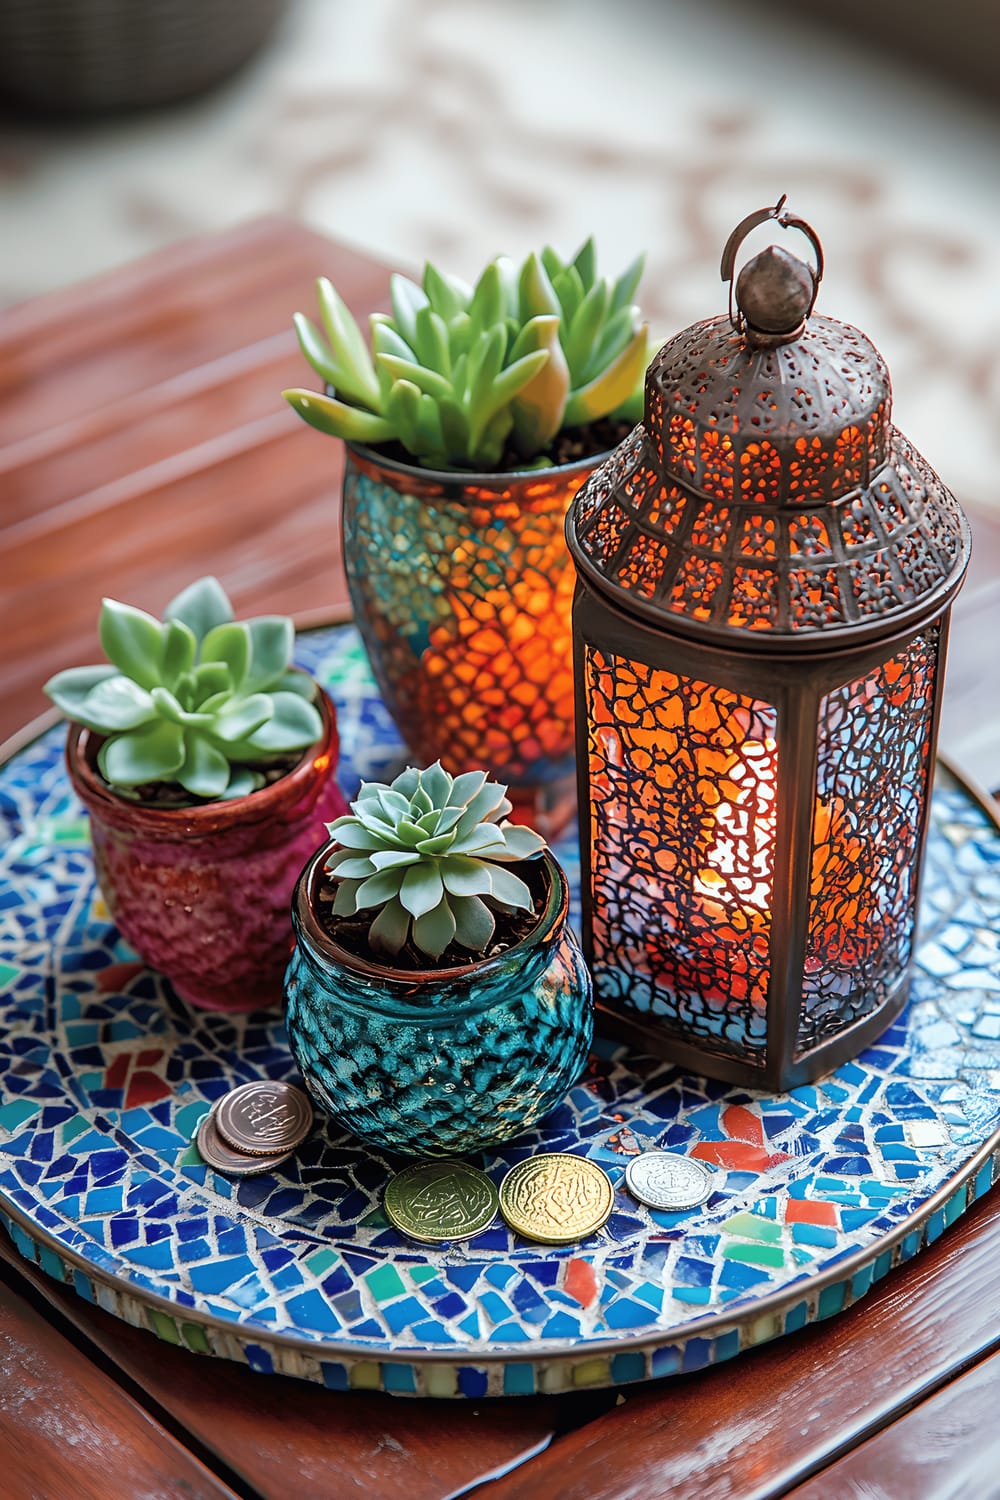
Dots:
{"x": 751, "y": 222}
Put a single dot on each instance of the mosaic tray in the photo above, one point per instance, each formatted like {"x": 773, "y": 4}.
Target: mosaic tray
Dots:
{"x": 104, "y": 1076}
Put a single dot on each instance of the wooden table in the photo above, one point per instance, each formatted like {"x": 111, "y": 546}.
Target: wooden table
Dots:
{"x": 142, "y": 441}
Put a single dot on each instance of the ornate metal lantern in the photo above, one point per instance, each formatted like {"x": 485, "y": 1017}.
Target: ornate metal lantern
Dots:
{"x": 765, "y": 571}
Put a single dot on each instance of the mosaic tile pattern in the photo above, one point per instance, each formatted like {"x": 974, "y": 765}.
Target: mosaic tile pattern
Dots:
{"x": 104, "y": 1076}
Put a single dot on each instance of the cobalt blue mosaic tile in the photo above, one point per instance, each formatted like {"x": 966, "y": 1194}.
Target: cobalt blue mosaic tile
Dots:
{"x": 105, "y": 1075}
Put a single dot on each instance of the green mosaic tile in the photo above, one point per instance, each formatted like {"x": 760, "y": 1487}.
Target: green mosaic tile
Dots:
{"x": 320, "y": 1261}
{"x": 8, "y": 973}
{"x": 68, "y": 832}
{"x": 384, "y": 1282}
{"x": 163, "y": 1326}
{"x": 752, "y": 1227}
{"x": 420, "y": 1274}
{"x": 73, "y": 1128}
{"x": 755, "y": 1255}
{"x": 194, "y": 1336}
{"x": 13, "y": 1116}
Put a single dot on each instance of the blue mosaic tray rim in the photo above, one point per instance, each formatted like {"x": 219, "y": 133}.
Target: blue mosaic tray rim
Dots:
{"x": 712, "y": 1325}
{"x": 905, "y": 1237}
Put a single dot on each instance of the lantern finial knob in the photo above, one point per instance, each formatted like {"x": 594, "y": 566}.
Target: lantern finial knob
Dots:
{"x": 775, "y": 291}
{"x": 775, "y": 294}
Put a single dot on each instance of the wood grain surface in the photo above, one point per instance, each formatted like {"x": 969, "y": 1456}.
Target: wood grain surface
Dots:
{"x": 68, "y": 1432}
{"x": 947, "y": 1448}
{"x": 263, "y": 1427}
{"x": 143, "y": 440}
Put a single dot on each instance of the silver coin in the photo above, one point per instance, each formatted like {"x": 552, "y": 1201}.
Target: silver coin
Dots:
{"x": 220, "y": 1156}
{"x": 666, "y": 1180}
{"x": 263, "y": 1118}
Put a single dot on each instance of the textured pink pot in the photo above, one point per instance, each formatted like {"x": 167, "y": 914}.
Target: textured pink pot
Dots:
{"x": 204, "y": 893}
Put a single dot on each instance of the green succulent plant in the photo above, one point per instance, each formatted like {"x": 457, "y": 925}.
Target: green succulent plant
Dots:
{"x": 197, "y": 699}
{"x": 429, "y": 851}
{"x": 455, "y": 372}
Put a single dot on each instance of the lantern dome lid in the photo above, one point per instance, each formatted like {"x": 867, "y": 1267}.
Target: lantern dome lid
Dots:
{"x": 766, "y": 492}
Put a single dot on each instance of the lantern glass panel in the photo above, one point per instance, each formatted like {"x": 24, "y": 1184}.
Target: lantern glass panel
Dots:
{"x": 683, "y": 778}
{"x": 871, "y": 795}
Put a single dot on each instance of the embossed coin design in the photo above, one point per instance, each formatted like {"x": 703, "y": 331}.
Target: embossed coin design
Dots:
{"x": 556, "y": 1198}
{"x": 434, "y": 1201}
{"x": 665, "y": 1180}
{"x": 263, "y": 1117}
{"x": 216, "y": 1152}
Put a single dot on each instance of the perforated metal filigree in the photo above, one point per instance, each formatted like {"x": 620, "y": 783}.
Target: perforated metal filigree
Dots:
{"x": 765, "y": 526}
{"x": 766, "y": 491}
{"x": 682, "y": 827}
{"x": 801, "y": 424}
{"x": 738, "y": 566}
{"x": 871, "y": 793}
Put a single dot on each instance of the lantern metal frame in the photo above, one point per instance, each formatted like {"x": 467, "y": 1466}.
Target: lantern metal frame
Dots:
{"x": 795, "y": 683}
{"x": 708, "y": 376}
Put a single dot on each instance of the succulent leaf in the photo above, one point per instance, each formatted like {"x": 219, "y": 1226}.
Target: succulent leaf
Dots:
{"x": 201, "y": 606}
{"x": 611, "y": 387}
{"x": 179, "y": 649}
{"x": 230, "y": 645}
{"x": 198, "y": 700}
{"x": 272, "y": 641}
{"x": 627, "y": 284}
{"x": 338, "y": 419}
{"x": 475, "y": 924}
{"x": 431, "y": 852}
{"x": 353, "y": 374}
{"x": 447, "y": 294}
{"x": 153, "y": 752}
{"x": 132, "y": 641}
{"x": 390, "y": 928}
{"x": 535, "y": 291}
{"x": 316, "y": 350}
{"x": 433, "y": 930}
{"x": 407, "y": 300}
{"x": 205, "y": 771}
{"x": 585, "y": 328}
{"x": 585, "y": 262}
{"x": 457, "y": 373}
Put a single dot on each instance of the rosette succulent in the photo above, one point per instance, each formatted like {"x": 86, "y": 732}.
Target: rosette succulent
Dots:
{"x": 429, "y": 852}
{"x": 456, "y": 373}
{"x": 198, "y": 699}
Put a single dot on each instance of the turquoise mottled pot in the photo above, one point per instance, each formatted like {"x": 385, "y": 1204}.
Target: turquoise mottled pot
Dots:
{"x": 439, "y": 1062}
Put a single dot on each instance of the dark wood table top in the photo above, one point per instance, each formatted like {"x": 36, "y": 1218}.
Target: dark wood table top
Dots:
{"x": 143, "y": 441}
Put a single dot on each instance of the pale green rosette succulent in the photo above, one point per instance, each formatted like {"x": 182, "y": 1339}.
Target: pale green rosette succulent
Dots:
{"x": 456, "y": 372}
{"x": 197, "y": 699}
{"x": 429, "y": 852}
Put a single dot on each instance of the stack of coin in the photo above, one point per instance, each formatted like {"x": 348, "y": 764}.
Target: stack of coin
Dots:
{"x": 254, "y": 1128}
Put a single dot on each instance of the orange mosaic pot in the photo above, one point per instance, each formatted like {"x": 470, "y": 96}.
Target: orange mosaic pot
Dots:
{"x": 462, "y": 590}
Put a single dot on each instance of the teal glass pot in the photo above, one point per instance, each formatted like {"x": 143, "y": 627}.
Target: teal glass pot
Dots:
{"x": 439, "y": 1062}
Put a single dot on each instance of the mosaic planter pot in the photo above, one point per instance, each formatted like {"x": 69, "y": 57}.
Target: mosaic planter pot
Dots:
{"x": 439, "y": 1062}
{"x": 462, "y": 588}
{"x": 202, "y": 893}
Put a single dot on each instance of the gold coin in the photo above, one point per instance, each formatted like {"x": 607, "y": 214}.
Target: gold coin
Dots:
{"x": 434, "y": 1201}
{"x": 262, "y": 1118}
{"x": 556, "y": 1198}
{"x": 216, "y": 1153}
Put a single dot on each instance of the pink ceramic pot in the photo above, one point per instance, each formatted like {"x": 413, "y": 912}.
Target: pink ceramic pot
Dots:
{"x": 204, "y": 893}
